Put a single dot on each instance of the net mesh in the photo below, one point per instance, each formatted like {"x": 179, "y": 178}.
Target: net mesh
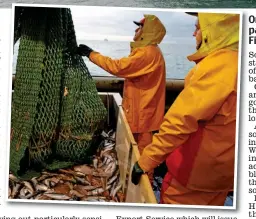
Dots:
{"x": 57, "y": 113}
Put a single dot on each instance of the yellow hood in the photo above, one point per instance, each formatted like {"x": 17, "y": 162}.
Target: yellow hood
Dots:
{"x": 218, "y": 31}
{"x": 153, "y": 32}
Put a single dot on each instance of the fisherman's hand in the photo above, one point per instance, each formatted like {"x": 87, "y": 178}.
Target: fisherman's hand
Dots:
{"x": 84, "y": 50}
{"x": 136, "y": 173}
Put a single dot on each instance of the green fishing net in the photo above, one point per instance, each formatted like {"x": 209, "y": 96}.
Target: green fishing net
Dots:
{"x": 57, "y": 114}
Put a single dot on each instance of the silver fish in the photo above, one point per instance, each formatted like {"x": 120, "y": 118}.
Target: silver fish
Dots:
{"x": 28, "y": 196}
{"x": 41, "y": 187}
{"x": 103, "y": 162}
{"x": 76, "y": 193}
{"x": 97, "y": 191}
{"x": 15, "y": 190}
{"x": 113, "y": 136}
{"x": 104, "y": 134}
{"x": 96, "y": 182}
{"x": 52, "y": 184}
{"x": 47, "y": 182}
{"x": 49, "y": 174}
{"x": 105, "y": 151}
{"x": 112, "y": 179}
{"x": 57, "y": 196}
{"x": 95, "y": 163}
{"x": 101, "y": 174}
{"x": 113, "y": 188}
{"x": 56, "y": 179}
{"x": 109, "y": 157}
{"x": 38, "y": 196}
{"x": 34, "y": 181}
{"x": 29, "y": 186}
{"x": 110, "y": 132}
{"x": 113, "y": 167}
{"x": 86, "y": 170}
{"x": 13, "y": 178}
{"x": 9, "y": 192}
{"x": 109, "y": 145}
{"x": 82, "y": 181}
{"x": 89, "y": 188}
{"x": 109, "y": 167}
{"x": 24, "y": 192}
{"x": 96, "y": 198}
{"x": 116, "y": 190}
{"x": 43, "y": 177}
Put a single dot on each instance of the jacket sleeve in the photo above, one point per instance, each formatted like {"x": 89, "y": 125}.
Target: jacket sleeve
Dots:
{"x": 199, "y": 101}
{"x": 133, "y": 66}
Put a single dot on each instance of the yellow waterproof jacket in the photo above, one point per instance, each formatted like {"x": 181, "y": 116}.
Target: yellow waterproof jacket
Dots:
{"x": 197, "y": 136}
{"x": 144, "y": 73}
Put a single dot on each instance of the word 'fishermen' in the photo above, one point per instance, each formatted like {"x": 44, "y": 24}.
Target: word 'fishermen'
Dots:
{"x": 252, "y": 30}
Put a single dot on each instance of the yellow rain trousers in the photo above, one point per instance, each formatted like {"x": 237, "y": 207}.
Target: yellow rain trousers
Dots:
{"x": 144, "y": 85}
{"x": 197, "y": 136}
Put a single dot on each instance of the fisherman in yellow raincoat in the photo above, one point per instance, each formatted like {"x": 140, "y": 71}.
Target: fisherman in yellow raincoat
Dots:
{"x": 197, "y": 136}
{"x": 145, "y": 77}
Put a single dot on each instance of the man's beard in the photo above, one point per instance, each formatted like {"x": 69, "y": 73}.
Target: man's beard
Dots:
{"x": 199, "y": 45}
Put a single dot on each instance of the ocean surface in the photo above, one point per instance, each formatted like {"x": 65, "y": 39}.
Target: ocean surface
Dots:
{"x": 143, "y": 3}
{"x": 177, "y": 65}
{"x": 175, "y": 54}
